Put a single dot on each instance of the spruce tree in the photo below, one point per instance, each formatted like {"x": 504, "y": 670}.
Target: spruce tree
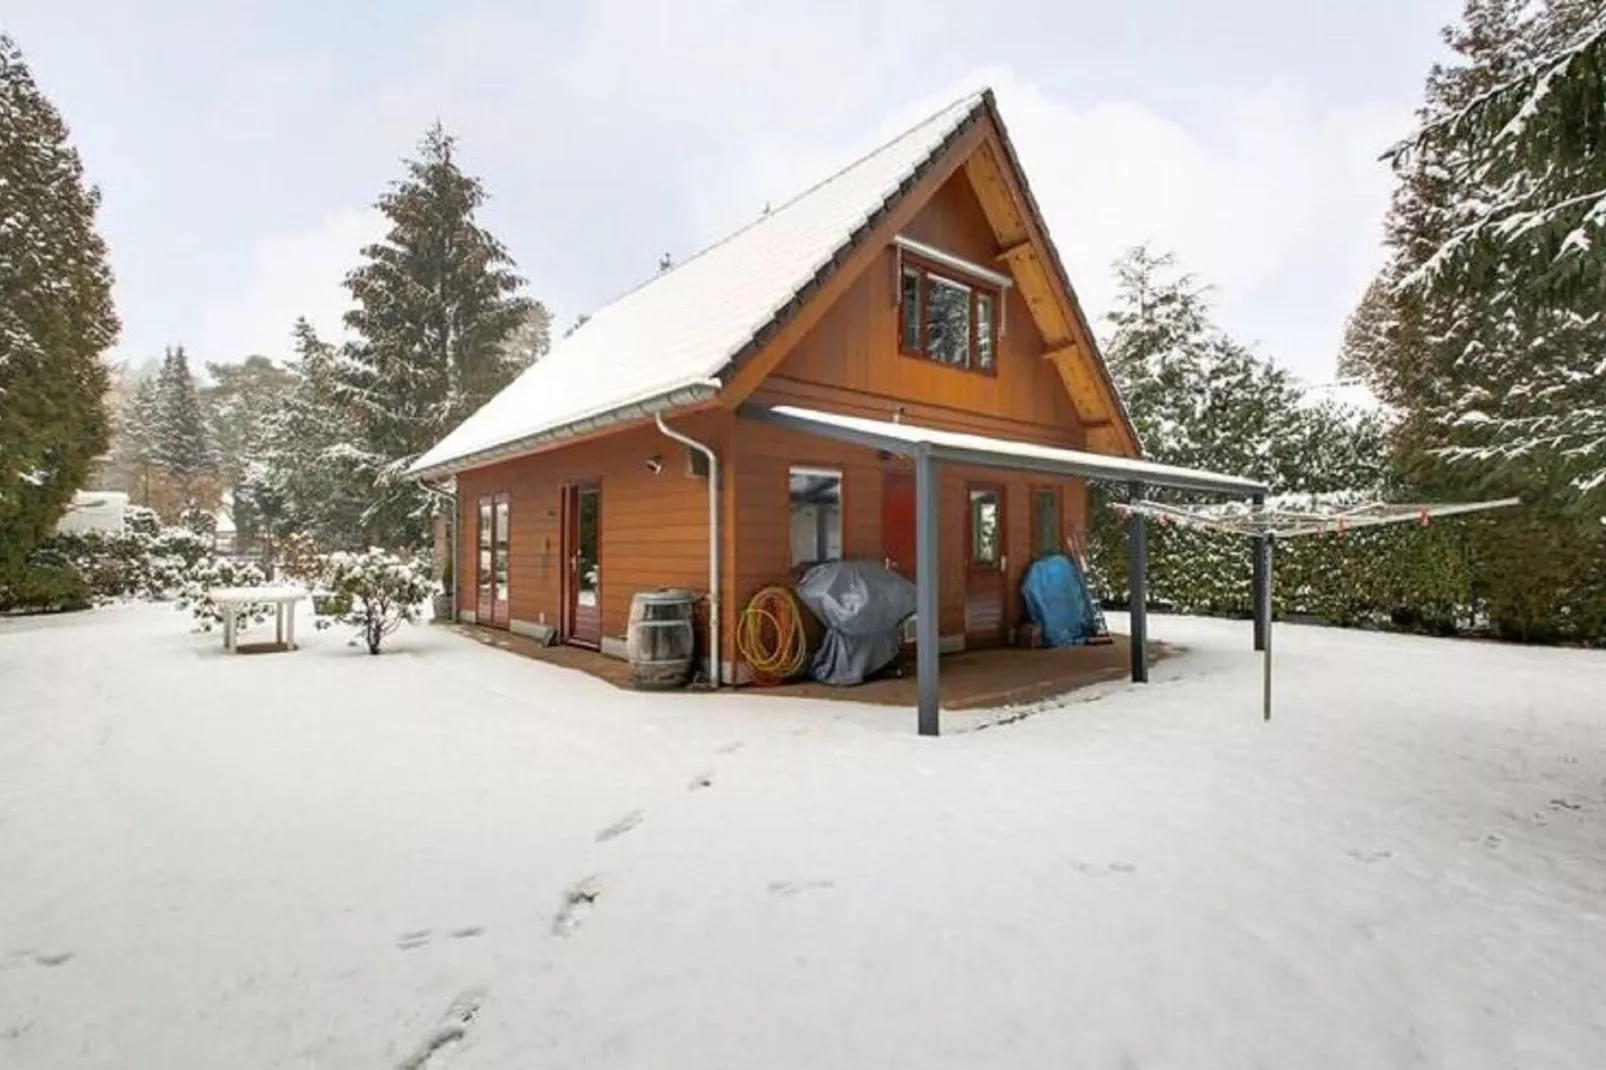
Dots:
{"x": 240, "y": 405}
{"x": 530, "y": 340}
{"x": 1512, "y": 272}
{"x": 56, "y": 317}
{"x": 436, "y": 300}
{"x": 304, "y": 480}
{"x": 1200, "y": 399}
{"x": 136, "y": 440}
{"x": 182, "y": 442}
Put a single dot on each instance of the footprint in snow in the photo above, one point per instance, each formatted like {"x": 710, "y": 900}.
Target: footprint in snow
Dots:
{"x": 417, "y": 938}
{"x": 1368, "y": 856}
{"x": 622, "y": 826}
{"x": 452, "y": 1029}
{"x": 578, "y": 901}
{"x": 797, "y": 887}
{"x": 467, "y": 931}
{"x": 28, "y": 956}
{"x": 700, "y": 781}
{"x": 1093, "y": 869}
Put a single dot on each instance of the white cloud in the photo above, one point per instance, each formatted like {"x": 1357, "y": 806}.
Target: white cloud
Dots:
{"x": 1271, "y": 191}
{"x": 295, "y": 274}
{"x": 600, "y": 158}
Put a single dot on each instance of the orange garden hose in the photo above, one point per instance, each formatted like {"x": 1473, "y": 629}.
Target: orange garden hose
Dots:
{"x": 771, "y": 635}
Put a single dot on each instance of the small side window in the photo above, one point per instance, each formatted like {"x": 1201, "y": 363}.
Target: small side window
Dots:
{"x": 1045, "y": 522}
{"x": 909, "y": 317}
{"x": 815, "y": 515}
{"x": 986, "y": 541}
{"x": 984, "y": 330}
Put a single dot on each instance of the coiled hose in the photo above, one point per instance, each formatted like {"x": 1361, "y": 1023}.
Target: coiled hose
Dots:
{"x": 771, "y": 635}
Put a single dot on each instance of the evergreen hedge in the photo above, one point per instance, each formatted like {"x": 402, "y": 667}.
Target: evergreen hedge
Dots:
{"x": 1520, "y": 575}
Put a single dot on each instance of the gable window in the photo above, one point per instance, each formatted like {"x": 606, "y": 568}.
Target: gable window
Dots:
{"x": 815, "y": 514}
{"x": 946, "y": 319}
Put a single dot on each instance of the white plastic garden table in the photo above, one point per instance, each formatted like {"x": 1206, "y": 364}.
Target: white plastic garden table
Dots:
{"x": 231, "y": 600}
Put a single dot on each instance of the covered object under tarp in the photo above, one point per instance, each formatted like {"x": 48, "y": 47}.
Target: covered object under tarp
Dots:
{"x": 863, "y": 605}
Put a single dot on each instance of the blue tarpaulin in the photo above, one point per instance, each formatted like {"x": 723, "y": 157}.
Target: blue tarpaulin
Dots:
{"x": 1058, "y": 603}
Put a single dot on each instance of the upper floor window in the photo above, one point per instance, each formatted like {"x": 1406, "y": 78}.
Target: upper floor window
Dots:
{"x": 947, "y": 320}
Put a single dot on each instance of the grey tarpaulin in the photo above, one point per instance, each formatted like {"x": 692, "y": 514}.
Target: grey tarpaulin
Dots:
{"x": 862, "y": 605}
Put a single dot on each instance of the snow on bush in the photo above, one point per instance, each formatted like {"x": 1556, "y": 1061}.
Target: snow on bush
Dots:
{"x": 207, "y": 574}
{"x": 175, "y": 553}
{"x": 373, "y": 592}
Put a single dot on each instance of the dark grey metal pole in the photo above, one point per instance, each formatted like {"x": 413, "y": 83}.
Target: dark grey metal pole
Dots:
{"x": 1137, "y": 563}
{"x": 1259, "y": 548}
{"x": 926, "y": 573}
{"x": 1265, "y": 541}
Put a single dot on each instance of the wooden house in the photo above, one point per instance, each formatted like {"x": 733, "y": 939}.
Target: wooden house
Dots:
{"x": 891, "y": 362}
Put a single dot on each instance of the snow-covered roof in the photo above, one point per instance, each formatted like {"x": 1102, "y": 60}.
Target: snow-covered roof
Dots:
{"x": 94, "y": 510}
{"x": 1001, "y": 452}
{"x": 665, "y": 342}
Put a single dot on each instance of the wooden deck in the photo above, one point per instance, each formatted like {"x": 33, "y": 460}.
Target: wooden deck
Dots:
{"x": 974, "y": 679}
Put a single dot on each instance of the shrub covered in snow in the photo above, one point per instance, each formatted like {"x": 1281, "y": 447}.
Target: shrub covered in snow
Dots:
{"x": 200, "y": 579}
{"x": 49, "y": 581}
{"x": 301, "y": 558}
{"x": 174, "y": 554}
{"x": 374, "y": 592}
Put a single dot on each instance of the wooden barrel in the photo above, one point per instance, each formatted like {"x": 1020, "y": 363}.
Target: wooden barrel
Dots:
{"x": 661, "y": 639}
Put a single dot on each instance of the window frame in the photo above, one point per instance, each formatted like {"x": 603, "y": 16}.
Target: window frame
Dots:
{"x": 1055, "y": 492}
{"x": 925, "y": 270}
{"x": 997, "y": 563}
{"x": 837, "y": 472}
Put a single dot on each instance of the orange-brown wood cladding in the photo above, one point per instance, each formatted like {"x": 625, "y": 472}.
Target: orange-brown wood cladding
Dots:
{"x": 761, "y": 544}
{"x": 654, "y": 526}
{"x": 854, "y": 348}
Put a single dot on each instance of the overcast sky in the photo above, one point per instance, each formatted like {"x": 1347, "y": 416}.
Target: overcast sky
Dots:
{"x": 239, "y": 146}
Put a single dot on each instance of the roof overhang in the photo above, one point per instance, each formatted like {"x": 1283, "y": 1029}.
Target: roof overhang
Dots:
{"x": 908, "y": 440}
{"x": 666, "y": 401}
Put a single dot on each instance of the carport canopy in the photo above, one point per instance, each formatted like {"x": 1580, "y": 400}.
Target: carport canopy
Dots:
{"x": 929, "y": 446}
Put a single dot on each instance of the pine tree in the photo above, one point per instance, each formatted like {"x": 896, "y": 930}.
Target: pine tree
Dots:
{"x": 241, "y": 405}
{"x": 1365, "y": 343}
{"x": 136, "y": 440}
{"x": 303, "y": 481}
{"x": 436, "y": 300}
{"x": 530, "y": 340}
{"x": 56, "y": 317}
{"x": 1202, "y": 400}
{"x": 182, "y": 446}
{"x": 1509, "y": 269}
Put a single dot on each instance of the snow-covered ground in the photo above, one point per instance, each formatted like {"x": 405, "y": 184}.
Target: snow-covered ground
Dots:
{"x": 330, "y": 860}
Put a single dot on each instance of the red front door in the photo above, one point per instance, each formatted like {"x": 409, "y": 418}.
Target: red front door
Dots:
{"x": 898, "y": 522}
{"x": 494, "y": 532}
{"x": 986, "y": 564}
{"x": 582, "y": 545}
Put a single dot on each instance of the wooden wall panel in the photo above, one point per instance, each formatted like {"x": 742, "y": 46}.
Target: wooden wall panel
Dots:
{"x": 854, "y": 347}
{"x": 762, "y": 553}
{"x": 654, "y": 526}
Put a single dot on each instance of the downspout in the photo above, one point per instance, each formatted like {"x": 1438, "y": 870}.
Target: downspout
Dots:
{"x": 715, "y": 623}
{"x": 450, "y": 496}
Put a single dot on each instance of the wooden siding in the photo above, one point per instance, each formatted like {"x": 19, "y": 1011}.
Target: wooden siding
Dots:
{"x": 850, "y": 361}
{"x": 759, "y": 535}
{"x": 843, "y": 357}
{"x": 654, "y": 526}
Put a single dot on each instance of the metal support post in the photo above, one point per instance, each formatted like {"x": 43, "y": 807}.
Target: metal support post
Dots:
{"x": 1137, "y": 581}
{"x": 926, "y": 573}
